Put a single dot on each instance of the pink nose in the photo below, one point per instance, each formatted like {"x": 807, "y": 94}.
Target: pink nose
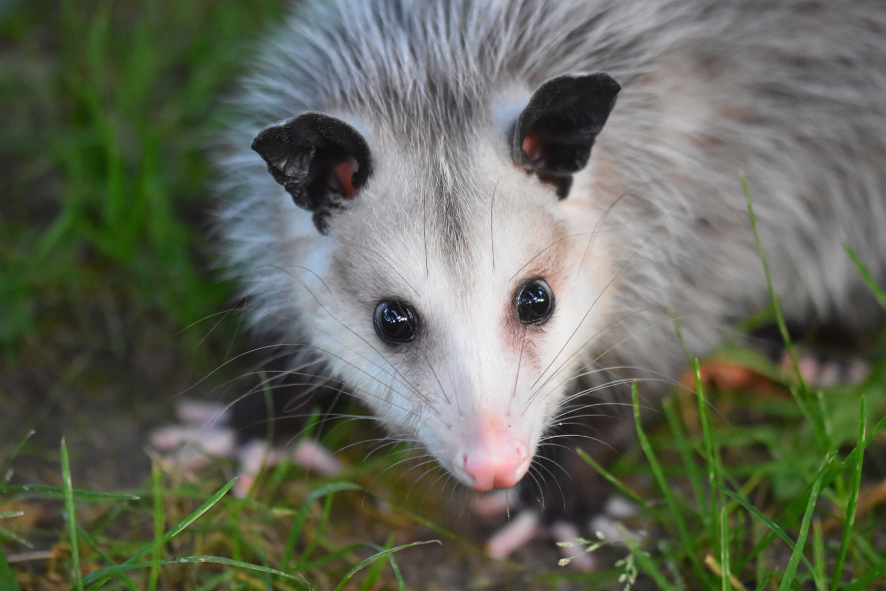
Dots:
{"x": 494, "y": 459}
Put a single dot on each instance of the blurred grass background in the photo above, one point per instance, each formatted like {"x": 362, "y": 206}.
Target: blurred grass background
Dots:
{"x": 107, "y": 110}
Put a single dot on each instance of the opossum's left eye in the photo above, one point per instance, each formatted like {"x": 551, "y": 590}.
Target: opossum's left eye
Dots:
{"x": 534, "y": 302}
{"x": 395, "y": 322}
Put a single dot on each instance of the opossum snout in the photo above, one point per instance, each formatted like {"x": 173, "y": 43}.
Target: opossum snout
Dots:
{"x": 494, "y": 457}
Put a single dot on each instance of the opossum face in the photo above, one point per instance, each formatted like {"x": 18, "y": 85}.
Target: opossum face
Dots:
{"x": 457, "y": 293}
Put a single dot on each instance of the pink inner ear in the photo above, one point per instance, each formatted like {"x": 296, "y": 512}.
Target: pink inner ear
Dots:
{"x": 532, "y": 147}
{"x": 344, "y": 172}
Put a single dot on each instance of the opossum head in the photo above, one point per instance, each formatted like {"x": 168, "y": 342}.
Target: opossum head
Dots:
{"x": 454, "y": 289}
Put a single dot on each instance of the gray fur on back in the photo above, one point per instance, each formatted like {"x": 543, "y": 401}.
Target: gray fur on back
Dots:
{"x": 792, "y": 92}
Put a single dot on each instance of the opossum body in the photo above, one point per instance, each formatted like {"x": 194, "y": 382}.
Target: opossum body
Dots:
{"x": 477, "y": 210}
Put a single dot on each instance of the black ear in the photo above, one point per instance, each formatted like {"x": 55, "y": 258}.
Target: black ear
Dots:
{"x": 554, "y": 133}
{"x": 320, "y": 160}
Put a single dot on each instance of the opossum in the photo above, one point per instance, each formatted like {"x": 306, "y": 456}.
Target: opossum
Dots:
{"x": 475, "y": 213}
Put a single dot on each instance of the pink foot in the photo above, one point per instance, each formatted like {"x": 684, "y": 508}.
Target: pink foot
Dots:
{"x": 827, "y": 373}
{"x": 518, "y": 532}
{"x": 203, "y": 433}
{"x": 576, "y": 551}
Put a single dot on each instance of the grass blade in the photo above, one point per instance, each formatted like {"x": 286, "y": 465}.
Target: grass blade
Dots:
{"x": 791, "y": 570}
{"x": 324, "y": 518}
{"x": 91, "y": 543}
{"x": 665, "y": 489}
{"x": 4, "y": 469}
{"x": 157, "y": 510}
{"x": 373, "y": 573}
{"x": 186, "y": 521}
{"x": 849, "y": 518}
{"x": 773, "y": 527}
{"x": 618, "y": 484}
{"x": 375, "y": 557}
{"x": 106, "y": 573}
{"x": 803, "y": 396}
{"x": 684, "y": 448}
{"x": 332, "y": 556}
{"x": 872, "y": 575}
{"x": 7, "y": 581}
{"x": 726, "y": 572}
{"x": 866, "y": 275}
{"x": 791, "y": 512}
{"x": 93, "y": 576}
{"x": 710, "y": 453}
{"x": 396, "y": 568}
{"x": 818, "y": 559}
{"x": 298, "y": 524}
{"x": 779, "y": 319}
{"x": 5, "y": 533}
{"x": 717, "y": 570}
{"x": 80, "y": 494}
{"x": 70, "y": 517}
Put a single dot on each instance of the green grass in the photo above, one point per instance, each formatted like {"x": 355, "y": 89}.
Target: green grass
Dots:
{"x": 733, "y": 533}
{"x": 721, "y": 536}
{"x": 706, "y": 489}
{"x": 107, "y": 110}
{"x": 280, "y": 539}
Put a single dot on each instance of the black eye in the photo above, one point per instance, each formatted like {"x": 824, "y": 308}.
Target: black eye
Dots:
{"x": 394, "y": 322}
{"x": 534, "y": 302}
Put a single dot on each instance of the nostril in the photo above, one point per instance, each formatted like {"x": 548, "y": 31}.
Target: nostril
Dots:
{"x": 521, "y": 450}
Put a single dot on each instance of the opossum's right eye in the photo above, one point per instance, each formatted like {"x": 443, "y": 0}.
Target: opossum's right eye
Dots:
{"x": 395, "y": 322}
{"x": 534, "y": 302}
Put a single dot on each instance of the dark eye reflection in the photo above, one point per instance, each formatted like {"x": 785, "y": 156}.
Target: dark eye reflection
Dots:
{"x": 534, "y": 302}
{"x": 395, "y": 322}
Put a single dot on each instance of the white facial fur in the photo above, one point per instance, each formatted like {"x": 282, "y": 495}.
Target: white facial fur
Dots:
{"x": 472, "y": 360}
